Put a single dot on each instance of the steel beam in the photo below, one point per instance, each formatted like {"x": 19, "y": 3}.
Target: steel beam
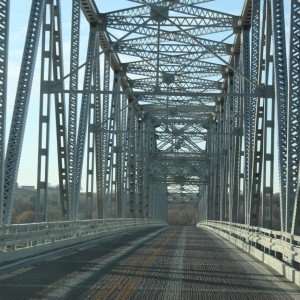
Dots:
{"x": 73, "y": 99}
{"x": 4, "y": 38}
{"x": 281, "y": 98}
{"x": 15, "y": 141}
{"x": 85, "y": 104}
{"x": 293, "y": 114}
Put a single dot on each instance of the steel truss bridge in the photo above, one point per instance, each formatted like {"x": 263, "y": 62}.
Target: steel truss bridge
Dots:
{"x": 169, "y": 100}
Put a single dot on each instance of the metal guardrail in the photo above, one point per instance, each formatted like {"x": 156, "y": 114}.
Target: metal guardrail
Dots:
{"x": 20, "y": 241}
{"x": 279, "y": 250}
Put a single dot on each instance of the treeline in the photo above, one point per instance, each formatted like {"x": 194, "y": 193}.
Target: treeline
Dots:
{"x": 182, "y": 214}
{"x": 24, "y": 206}
{"x": 178, "y": 214}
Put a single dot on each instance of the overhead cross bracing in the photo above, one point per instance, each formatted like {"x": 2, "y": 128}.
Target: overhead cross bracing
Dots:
{"x": 171, "y": 97}
{"x": 169, "y": 52}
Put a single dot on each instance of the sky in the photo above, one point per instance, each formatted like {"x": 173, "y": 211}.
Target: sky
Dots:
{"x": 18, "y": 27}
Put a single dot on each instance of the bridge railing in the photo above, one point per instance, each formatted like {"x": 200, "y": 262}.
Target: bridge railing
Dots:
{"x": 280, "y": 250}
{"x": 20, "y": 241}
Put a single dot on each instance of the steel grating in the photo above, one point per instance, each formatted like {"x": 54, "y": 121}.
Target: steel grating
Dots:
{"x": 178, "y": 263}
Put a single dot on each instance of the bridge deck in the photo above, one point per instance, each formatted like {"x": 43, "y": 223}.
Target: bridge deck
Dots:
{"x": 176, "y": 263}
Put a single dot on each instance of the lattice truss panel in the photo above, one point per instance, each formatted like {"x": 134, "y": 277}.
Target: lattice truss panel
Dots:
{"x": 252, "y": 182}
{"x": 4, "y": 16}
{"x": 175, "y": 57}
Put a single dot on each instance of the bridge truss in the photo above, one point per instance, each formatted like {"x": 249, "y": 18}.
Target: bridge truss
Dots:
{"x": 173, "y": 97}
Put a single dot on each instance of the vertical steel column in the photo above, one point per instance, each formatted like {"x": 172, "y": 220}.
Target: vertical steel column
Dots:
{"x": 124, "y": 156}
{"x": 150, "y": 200}
{"x": 237, "y": 148}
{"x": 202, "y": 209}
{"x": 73, "y": 98}
{"x": 222, "y": 167}
{"x": 17, "y": 129}
{"x": 44, "y": 113}
{"x": 254, "y": 73}
{"x": 268, "y": 164}
{"x": 219, "y": 152}
{"x": 258, "y": 146}
{"x": 293, "y": 142}
{"x": 242, "y": 159}
{"x": 4, "y": 37}
{"x": 91, "y": 142}
{"x": 146, "y": 166}
{"x": 85, "y": 103}
{"x": 210, "y": 154}
{"x": 263, "y": 153}
{"x": 159, "y": 202}
{"x": 247, "y": 117}
{"x": 131, "y": 162}
{"x": 296, "y": 217}
{"x": 220, "y": 143}
{"x": 164, "y": 202}
{"x": 113, "y": 150}
{"x": 155, "y": 186}
{"x": 139, "y": 167}
{"x": 152, "y": 148}
{"x": 211, "y": 148}
{"x": 60, "y": 114}
{"x": 136, "y": 162}
{"x": 205, "y": 200}
{"x": 154, "y": 201}
{"x": 101, "y": 143}
{"x": 216, "y": 163}
{"x": 127, "y": 159}
{"x": 230, "y": 148}
{"x": 255, "y": 115}
{"x": 225, "y": 158}
{"x": 257, "y": 165}
{"x": 281, "y": 98}
{"x": 119, "y": 154}
{"x": 98, "y": 136}
{"x": 268, "y": 133}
